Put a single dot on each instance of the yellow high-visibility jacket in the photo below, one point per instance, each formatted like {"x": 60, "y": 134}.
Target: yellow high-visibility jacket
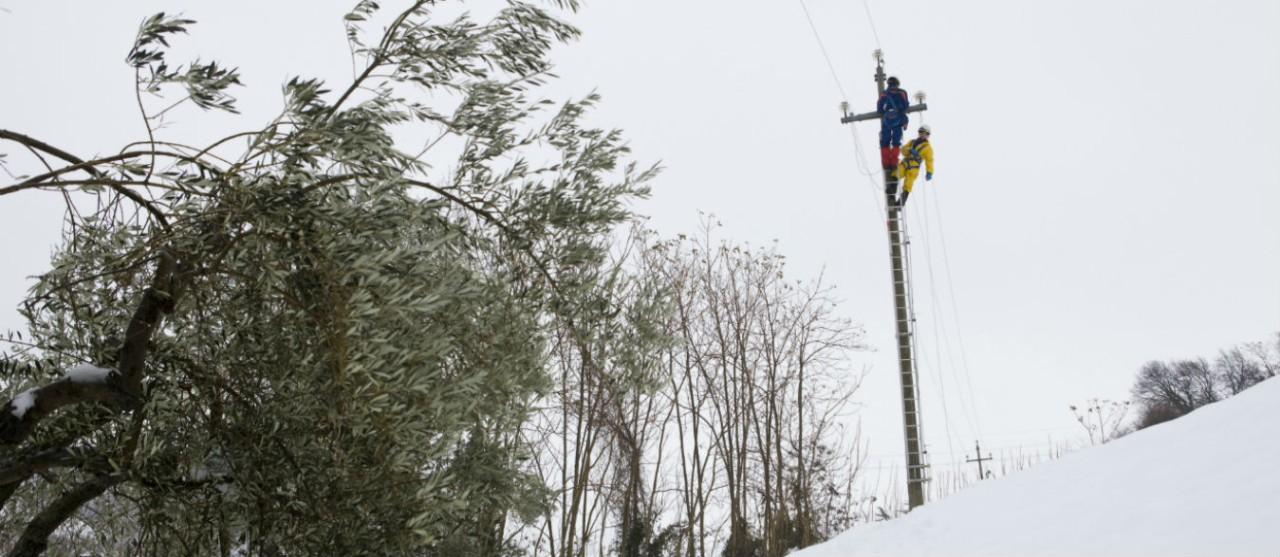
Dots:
{"x": 912, "y": 156}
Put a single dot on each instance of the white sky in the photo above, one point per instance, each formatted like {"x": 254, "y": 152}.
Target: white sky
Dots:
{"x": 1106, "y": 171}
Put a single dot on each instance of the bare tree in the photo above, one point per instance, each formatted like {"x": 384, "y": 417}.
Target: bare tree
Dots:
{"x": 1267, "y": 355}
{"x": 767, "y": 358}
{"x": 717, "y": 430}
{"x": 1165, "y": 391}
{"x": 1182, "y": 385}
{"x": 1236, "y": 371}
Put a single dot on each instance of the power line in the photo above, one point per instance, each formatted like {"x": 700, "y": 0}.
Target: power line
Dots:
{"x": 937, "y": 344}
{"x": 843, "y": 96}
{"x": 921, "y": 357}
{"x": 862, "y": 169}
{"x": 955, "y": 310}
{"x": 872, "y": 22}
{"x": 1020, "y": 448}
{"x": 942, "y": 341}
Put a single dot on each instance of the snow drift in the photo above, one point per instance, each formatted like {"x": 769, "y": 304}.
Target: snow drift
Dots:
{"x": 1207, "y": 484}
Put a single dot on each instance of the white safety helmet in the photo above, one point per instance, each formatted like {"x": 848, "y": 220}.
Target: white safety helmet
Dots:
{"x": 925, "y": 128}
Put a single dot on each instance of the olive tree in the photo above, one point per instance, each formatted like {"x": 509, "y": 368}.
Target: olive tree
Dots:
{"x": 300, "y": 339}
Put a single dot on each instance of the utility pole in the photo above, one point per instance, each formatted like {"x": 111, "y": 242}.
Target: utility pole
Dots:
{"x": 906, "y": 364}
{"x": 978, "y": 451}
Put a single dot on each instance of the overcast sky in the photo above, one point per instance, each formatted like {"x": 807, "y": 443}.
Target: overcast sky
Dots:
{"x": 1106, "y": 192}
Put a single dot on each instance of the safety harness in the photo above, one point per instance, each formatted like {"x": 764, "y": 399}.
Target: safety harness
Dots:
{"x": 913, "y": 158}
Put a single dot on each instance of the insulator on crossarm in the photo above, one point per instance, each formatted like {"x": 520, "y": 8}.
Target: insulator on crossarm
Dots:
{"x": 920, "y": 96}
{"x": 844, "y": 107}
{"x": 878, "y": 55}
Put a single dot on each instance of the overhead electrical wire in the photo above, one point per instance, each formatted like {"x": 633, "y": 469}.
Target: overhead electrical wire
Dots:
{"x": 940, "y": 343}
{"x": 969, "y": 403}
{"x": 863, "y": 167}
{"x": 968, "y": 400}
{"x": 834, "y": 76}
{"x": 955, "y": 310}
{"x": 872, "y": 22}
{"x": 943, "y": 340}
{"x": 920, "y": 360}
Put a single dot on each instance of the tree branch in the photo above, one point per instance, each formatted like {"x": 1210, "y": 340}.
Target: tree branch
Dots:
{"x": 18, "y": 469}
{"x": 117, "y": 185}
{"x": 35, "y": 538}
{"x": 40, "y": 145}
{"x": 91, "y": 166}
{"x": 379, "y": 54}
{"x": 157, "y": 300}
{"x": 21, "y": 414}
{"x": 7, "y": 490}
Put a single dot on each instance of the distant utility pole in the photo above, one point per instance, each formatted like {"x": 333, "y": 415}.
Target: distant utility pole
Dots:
{"x": 978, "y": 451}
{"x": 902, "y": 305}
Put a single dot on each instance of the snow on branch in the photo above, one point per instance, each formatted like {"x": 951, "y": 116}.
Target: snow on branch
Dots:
{"x": 23, "y": 402}
{"x": 81, "y": 383}
{"x": 88, "y": 373}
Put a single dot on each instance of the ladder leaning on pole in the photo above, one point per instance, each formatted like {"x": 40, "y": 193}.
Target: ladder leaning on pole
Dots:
{"x": 916, "y": 464}
{"x": 913, "y": 428}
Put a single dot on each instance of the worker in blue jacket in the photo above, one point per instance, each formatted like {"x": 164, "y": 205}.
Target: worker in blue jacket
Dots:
{"x": 892, "y": 106}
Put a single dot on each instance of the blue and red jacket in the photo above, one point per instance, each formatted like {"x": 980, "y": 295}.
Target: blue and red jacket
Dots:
{"x": 893, "y": 105}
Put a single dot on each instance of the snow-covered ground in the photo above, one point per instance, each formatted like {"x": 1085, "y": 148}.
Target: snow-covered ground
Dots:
{"x": 1207, "y": 484}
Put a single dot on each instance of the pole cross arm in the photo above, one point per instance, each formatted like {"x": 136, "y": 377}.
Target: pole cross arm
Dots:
{"x": 876, "y": 115}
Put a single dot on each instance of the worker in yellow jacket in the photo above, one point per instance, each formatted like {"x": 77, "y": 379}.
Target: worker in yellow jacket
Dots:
{"x": 916, "y": 152}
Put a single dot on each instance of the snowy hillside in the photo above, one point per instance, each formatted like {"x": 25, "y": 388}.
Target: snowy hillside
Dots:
{"x": 1207, "y": 484}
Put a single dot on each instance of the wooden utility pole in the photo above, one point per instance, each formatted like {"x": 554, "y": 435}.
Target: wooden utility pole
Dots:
{"x": 902, "y": 305}
{"x": 978, "y": 451}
